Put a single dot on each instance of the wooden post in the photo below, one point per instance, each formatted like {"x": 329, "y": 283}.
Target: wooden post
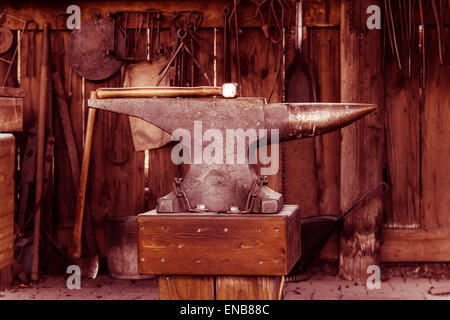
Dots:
{"x": 362, "y": 142}
{"x": 7, "y": 170}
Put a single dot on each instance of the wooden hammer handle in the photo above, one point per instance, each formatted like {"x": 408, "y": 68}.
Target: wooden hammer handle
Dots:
{"x": 149, "y": 92}
{"x": 75, "y": 251}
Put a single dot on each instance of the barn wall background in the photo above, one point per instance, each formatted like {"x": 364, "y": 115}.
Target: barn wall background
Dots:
{"x": 417, "y": 148}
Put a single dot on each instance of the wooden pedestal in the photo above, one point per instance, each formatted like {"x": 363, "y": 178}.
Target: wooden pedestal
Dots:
{"x": 219, "y": 256}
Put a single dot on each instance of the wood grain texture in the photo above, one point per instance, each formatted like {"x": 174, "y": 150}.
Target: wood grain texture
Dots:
{"x": 179, "y": 287}
{"x": 11, "y": 114}
{"x": 402, "y": 146}
{"x": 7, "y": 172}
{"x": 362, "y": 144}
{"x": 247, "y": 288}
{"x": 213, "y": 244}
{"x": 46, "y": 11}
{"x": 415, "y": 246}
{"x": 435, "y": 141}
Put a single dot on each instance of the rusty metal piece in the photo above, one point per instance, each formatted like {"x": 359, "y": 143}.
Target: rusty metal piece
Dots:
{"x": 6, "y": 39}
{"x": 90, "y": 50}
{"x": 220, "y": 186}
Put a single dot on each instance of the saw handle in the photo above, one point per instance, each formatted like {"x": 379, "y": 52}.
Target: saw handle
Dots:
{"x": 75, "y": 251}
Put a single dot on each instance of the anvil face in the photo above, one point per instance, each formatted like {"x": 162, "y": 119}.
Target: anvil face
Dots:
{"x": 219, "y": 187}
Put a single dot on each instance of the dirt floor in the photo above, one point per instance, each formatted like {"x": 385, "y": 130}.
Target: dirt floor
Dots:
{"x": 406, "y": 281}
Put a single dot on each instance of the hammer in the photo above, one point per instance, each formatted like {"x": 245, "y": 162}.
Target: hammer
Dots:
{"x": 227, "y": 90}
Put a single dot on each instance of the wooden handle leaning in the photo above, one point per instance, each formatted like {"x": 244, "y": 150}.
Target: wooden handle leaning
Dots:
{"x": 43, "y": 96}
{"x": 78, "y": 225}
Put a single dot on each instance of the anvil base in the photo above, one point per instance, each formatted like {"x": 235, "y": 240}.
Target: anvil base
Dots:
{"x": 219, "y": 244}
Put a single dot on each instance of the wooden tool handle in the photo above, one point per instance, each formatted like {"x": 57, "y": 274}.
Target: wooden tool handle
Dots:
{"x": 75, "y": 251}
{"x": 43, "y": 95}
{"x": 149, "y": 92}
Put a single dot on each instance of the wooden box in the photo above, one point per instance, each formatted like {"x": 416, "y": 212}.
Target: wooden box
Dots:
{"x": 219, "y": 244}
{"x": 7, "y": 167}
{"x": 11, "y": 109}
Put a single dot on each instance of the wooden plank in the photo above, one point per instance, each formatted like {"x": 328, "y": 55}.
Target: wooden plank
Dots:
{"x": 7, "y": 172}
{"x": 6, "y": 277}
{"x": 362, "y": 144}
{"x": 325, "y": 57}
{"x": 211, "y": 244}
{"x": 435, "y": 142}
{"x": 179, "y": 287}
{"x": 11, "y": 114}
{"x": 402, "y": 145}
{"x": 247, "y": 288}
{"x": 415, "y": 246}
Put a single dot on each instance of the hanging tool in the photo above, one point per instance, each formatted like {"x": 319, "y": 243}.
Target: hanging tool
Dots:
{"x": 258, "y": 13}
{"x": 126, "y": 48}
{"x": 43, "y": 96}
{"x": 236, "y": 37}
{"x": 226, "y": 46}
{"x": 6, "y": 39}
{"x": 422, "y": 50}
{"x": 182, "y": 33}
{"x": 3, "y": 15}
{"x": 392, "y": 28}
{"x": 91, "y": 51}
{"x": 438, "y": 30}
{"x": 31, "y": 55}
{"x": 299, "y": 25}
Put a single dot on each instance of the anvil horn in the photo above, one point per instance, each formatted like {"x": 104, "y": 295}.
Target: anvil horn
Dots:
{"x": 312, "y": 119}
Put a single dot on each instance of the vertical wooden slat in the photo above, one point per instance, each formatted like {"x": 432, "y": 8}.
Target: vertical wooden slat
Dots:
{"x": 186, "y": 287}
{"x": 247, "y": 288}
{"x": 362, "y": 142}
{"x": 435, "y": 141}
{"x": 402, "y": 145}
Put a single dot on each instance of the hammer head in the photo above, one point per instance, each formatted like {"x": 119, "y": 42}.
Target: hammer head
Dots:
{"x": 229, "y": 90}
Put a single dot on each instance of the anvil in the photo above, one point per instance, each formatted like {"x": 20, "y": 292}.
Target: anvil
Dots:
{"x": 231, "y": 187}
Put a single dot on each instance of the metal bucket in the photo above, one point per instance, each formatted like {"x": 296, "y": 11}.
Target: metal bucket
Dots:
{"x": 121, "y": 248}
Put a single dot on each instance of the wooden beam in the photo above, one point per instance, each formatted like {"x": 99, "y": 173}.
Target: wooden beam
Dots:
{"x": 362, "y": 142}
{"x": 415, "y": 246}
{"x": 212, "y": 11}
